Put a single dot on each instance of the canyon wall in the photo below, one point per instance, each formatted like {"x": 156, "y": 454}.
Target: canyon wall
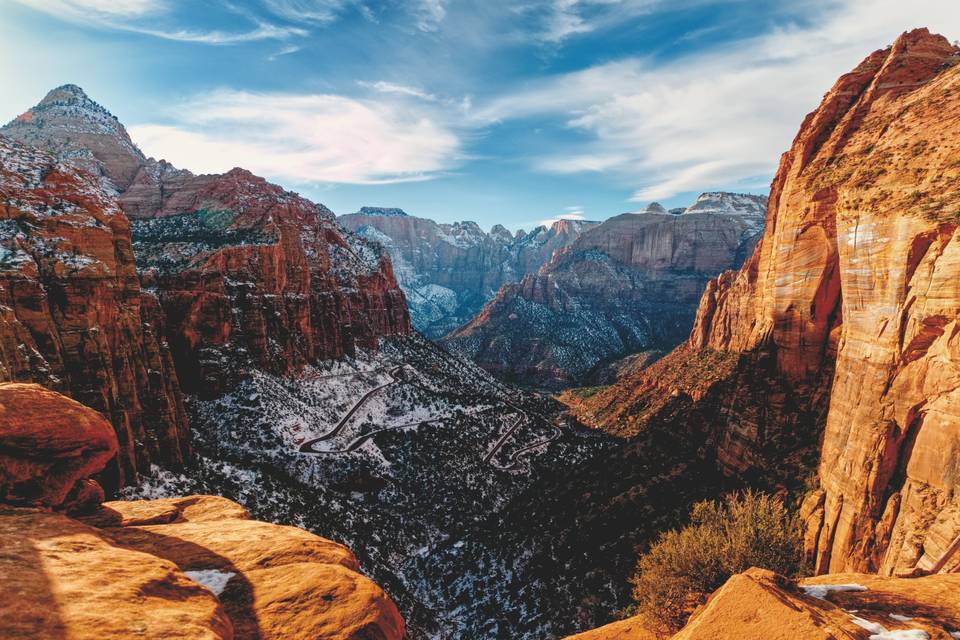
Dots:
{"x": 125, "y": 279}
{"x": 72, "y": 314}
{"x": 842, "y": 325}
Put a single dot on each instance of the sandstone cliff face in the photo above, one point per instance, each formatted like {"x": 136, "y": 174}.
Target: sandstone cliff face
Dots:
{"x": 850, "y": 303}
{"x": 630, "y": 284}
{"x": 192, "y": 567}
{"x": 250, "y": 275}
{"x": 72, "y": 314}
{"x": 449, "y": 271}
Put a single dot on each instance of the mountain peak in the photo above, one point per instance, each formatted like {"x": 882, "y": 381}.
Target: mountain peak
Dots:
{"x": 64, "y": 93}
{"x": 69, "y": 123}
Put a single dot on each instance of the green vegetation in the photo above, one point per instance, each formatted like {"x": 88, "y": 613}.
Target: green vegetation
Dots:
{"x": 683, "y": 567}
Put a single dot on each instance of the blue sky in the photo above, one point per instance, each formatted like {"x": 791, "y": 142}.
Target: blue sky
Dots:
{"x": 495, "y": 111}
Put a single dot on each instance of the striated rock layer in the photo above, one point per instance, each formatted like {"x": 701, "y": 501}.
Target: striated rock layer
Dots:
{"x": 630, "y": 284}
{"x": 72, "y": 314}
{"x": 249, "y": 275}
{"x": 449, "y": 271}
{"x": 844, "y": 322}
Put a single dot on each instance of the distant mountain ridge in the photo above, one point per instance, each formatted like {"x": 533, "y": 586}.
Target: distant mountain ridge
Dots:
{"x": 449, "y": 271}
{"x": 628, "y": 285}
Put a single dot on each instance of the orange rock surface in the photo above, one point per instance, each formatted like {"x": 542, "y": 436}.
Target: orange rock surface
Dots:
{"x": 193, "y": 567}
{"x": 64, "y": 579}
{"x": 49, "y": 446}
{"x": 759, "y": 604}
{"x": 844, "y": 321}
{"x": 284, "y": 582}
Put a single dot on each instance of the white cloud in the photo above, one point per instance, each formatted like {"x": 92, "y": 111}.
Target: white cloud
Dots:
{"x": 569, "y": 213}
{"x": 717, "y": 117}
{"x": 128, "y": 15}
{"x": 382, "y": 86}
{"x": 286, "y": 51}
{"x": 304, "y": 138}
{"x": 307, "y": 10}
{"x": 429, "y": 14}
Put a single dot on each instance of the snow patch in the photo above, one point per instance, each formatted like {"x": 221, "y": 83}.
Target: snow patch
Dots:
{"x": 821, "y": 590}
{"x": 213, "y": 579}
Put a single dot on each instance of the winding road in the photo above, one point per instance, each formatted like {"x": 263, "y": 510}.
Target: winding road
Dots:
{"x": 395, "y": 375}
{"x": 307, "y": 447}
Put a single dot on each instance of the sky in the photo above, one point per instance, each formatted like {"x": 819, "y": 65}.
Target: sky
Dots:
{"x": 498, "y": 111}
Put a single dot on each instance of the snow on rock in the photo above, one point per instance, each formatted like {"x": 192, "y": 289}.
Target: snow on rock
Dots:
{"x": 213, "y": 579}
{"x": 821, "y": 590}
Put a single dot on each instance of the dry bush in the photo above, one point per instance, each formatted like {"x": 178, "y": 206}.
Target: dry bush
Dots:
{"x": 683, "y": 567}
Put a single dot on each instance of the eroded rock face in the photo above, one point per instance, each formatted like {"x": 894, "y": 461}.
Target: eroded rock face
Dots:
{"x": 449, "y": 271}
{"x": 72, "y": 314}
{"x": 250, "y": 275}
{"x": 630, "y": 284}
{"x": 49, "y": 447}
{"x": 851, "y": 303}
{"x": 231, "y": 273}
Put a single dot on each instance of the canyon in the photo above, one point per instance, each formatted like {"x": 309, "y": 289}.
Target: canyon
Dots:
{"x": 209, "y": 349}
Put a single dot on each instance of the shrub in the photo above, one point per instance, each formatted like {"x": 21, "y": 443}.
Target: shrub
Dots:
{"x": 683, "y": 567}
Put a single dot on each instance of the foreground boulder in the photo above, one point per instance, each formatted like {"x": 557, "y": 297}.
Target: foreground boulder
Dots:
{"x": 49, "y": 447}
{"x": 273, "y": 581}
{"x": 762, "y": 604}
{"x": 194, "y": 567}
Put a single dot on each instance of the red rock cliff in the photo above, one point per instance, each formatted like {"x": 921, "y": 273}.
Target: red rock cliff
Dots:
{"x": 72, "y": 314}
{"x": 250, "y": 275}
{"x": 844, "y": 321}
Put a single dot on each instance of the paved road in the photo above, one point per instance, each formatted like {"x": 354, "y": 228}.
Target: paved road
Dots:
{"x": 394, "y": 373}
{"x": 307, "y": 447}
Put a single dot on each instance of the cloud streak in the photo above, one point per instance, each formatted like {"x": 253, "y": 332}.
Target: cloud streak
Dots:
{"x": 714, "y": 118}
{"x": 127, "y": 16}
{"x": 305, "y": 138}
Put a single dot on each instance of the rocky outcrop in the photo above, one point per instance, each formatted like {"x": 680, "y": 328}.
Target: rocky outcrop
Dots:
{"x": 74, "y": 127}
{"x": 72, "y": 314}
{"x": 761, "y": 604}
{"x": 193, "y": 567}
{"x": 850, "y": 303}
{"x": 630, "y": 284}
{"x": 49, "y": 447}
{"x": 449, "y": 271}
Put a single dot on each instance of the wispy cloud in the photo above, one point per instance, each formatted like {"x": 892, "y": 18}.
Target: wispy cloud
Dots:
{"x": 308, "y": 10}
{"x": 286, "y": 51}
{"x": 129, "y": 16}
{"x": 305, "y": 138}
{"x": 713, "y": 118}
{"x": 429, "y": 14}
{"x": 382, "y": 86}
